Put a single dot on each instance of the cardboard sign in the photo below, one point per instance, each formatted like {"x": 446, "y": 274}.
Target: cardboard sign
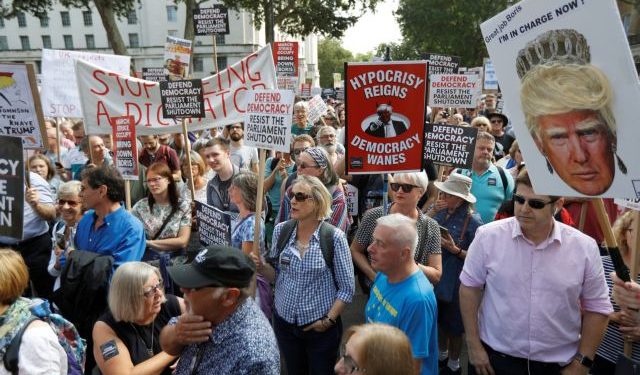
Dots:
{"x": 385, "y": 116}
{"x": 106, "y": 94}
{"x": 20, "y": 110}
{"x": 125, "y": 147}
{"x": 59, "y": 92}
{"x": 351, "y": 195}
{"x": 454, "y": 90}
{"x": 177, "y": 55}
{"x": 214, "y": 226}
{"x": 317, "y": 108}
{"x": 267, "y": 122}
{"x": 442, "y": 64}
{"x": 568, "y": 83}
{"x": 285, "y": 57}
{"x": 450, "y": 145}
{"x": 154, "y": 74}
{"x": 207, "y": 21}
{"x": 632, "y": 204}
{"x": 11, "y": 187}
{"x": 490, "y": 79}
{"x": 181, "y": 99}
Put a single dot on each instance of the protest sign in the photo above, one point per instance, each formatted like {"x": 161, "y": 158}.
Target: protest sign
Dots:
{"x": 11, "y": 187}
{"x": 385, "y": 116}
{"x": 59, "y": 91}
{"x": 20, "y": 110}
{"x": 572, "y": 80}
{"x": 207, "y": 21}
{"x": 106, "y": 94}
{"x": 442, "y": 64}
{"x": 177, "y": 55}
{"x": 182, "y": 99}
{"x": 285, "y": 57}
{"x": 317, "y": 109}
{"x": 305, "y": 90}
{"x": 214, "y": 226}
{"x": 490, "y": 79}
{"x": 450, "y": 145}
{"x": 633, "y": 204}
{"x": 454, "y": 90}
{"x": 351, "y": 195}
{"x": 125, "y": 147}
{"x": 154, "y": 74}
{"x": 287, "y": 83}
{"x": 267, "y": 122}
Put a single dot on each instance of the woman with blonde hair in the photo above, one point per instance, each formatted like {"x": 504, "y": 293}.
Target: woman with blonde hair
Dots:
{"x": 482, "y": 124}
{"x": 375, "y": 349}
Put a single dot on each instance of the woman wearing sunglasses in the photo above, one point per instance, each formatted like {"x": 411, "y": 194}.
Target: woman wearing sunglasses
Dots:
{"x": 375, "y": 349}
{"x": 309, "y": 294}
{"x": 407, "y": 188}
{"x": 126, "y": 338}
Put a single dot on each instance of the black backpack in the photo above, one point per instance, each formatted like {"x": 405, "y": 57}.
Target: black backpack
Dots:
{"x": 326, "y": 241}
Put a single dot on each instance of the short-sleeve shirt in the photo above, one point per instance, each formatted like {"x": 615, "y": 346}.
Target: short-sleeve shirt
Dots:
{"x": 489, "y": 191}
{"x": 165, "y": 154}
{"x": 242, "y": 230}
{"x": 152, "y": 219}
{"x": 243, "y": 156}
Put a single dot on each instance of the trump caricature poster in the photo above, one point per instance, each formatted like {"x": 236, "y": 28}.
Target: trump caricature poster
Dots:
{"x": 571, "y": 88}
{"x": 385, "y": 104}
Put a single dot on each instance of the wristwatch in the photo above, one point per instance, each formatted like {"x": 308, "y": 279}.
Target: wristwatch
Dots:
{"x": 583, "y": 360}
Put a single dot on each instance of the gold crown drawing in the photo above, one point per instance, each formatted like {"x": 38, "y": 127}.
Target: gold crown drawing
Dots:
{"x": 564, "y": 46}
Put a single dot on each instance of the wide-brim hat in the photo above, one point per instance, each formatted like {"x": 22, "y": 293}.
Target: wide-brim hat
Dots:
{"x": 505, "y": 119}
{"x": 458, "y": 185}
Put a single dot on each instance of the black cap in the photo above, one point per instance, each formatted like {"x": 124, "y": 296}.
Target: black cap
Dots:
{"x": 215, "y": 266}
{"x": 505, "y": 119}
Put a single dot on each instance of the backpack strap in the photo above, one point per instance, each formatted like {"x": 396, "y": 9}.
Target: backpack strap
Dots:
{"x": 283, "y": 239}
{"x": 503, "y": 177}
{"x": 326, "y": 240}
{"x": 11, "y": 356}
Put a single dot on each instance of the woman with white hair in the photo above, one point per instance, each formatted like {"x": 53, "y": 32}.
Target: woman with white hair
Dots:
{"x": 301, "y": 124}
{"x": 407, "y": 189}
{"x": 127, "y": 337}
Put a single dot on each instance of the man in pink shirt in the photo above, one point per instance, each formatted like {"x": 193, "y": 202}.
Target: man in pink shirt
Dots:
{"x": 533, "y": 295}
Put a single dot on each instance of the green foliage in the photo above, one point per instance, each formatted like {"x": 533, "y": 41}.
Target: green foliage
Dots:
{"x": 449, "y": 27}
{"x": 9, "y": 9}
{"x": 398, "y": 52}
{"x": 331, "y": 59}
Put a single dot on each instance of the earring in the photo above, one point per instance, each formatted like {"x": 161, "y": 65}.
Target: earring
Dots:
{"x": 549, "y": 167}
{"x": 621, "y": 165}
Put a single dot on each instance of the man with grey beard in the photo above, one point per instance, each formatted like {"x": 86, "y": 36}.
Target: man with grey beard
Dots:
{"x": 326, "y": 138}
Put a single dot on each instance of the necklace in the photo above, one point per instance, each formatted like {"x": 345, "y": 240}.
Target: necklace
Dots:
{"x": 148, "y": 347}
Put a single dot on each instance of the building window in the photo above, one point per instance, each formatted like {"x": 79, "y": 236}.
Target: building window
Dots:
{"x": 1, "y": 22}
{"x": 198, "y": 64}
{"x": 24, "y": 41}
{"x": 132, "y": 19}
{"x": 173, "y": 32}
{"x": 39, "y": 66}
{"x": 134, "y": 41}
{"x": 90, "y": 40}
{"x": 222, "y": 63}
{"x": 219, "y": 39}
{"x": 3, "y": 43}
{"x": 68, "y": 41}
{"x": 66, "y": 20}
{"x": 172, "y": 13}
{"x": 22, "y": 19}
{"x": 44, "y": 21}
{"x": 46, "y": 41}
{"x": 87, "y": 17}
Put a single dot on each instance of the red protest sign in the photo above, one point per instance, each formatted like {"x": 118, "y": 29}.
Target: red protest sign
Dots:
{"x": 385, "y": 116}
{"x": 125, "y": 148}
{"x": 285, "y": 58}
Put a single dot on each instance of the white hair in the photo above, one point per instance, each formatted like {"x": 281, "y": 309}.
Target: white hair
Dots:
{"x": 403, "y": 230}
{"x": 418, "y": 179}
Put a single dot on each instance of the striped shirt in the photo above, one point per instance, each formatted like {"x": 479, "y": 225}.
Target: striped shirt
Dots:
{"x": 305, "y": 287}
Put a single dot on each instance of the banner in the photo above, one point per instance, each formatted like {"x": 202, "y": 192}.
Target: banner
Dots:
{"x": 20, "y": 110}
{"x": 207, "y": 21}
{"x": 317, "y": 109}
{"x": 570, "y": 85}
{"x": 125, "y": 147}
{"x": 59, "y": 91}
{"x": 442, "y": 64}
{"x": 450, "y": 145}
{"x": 454, "y": 90}
{"x": 285, "y": 57}
{"x": 385, "y": 116}
{"x": 267, "y": 122}
{"x": 107, "y": 94}
{"x": 177, "y": 55}
{"x": 214, "y": 226}
{"x": 182, "y": 99}
{"x": 154, "y": 74}
{"x": 11, "y": 187}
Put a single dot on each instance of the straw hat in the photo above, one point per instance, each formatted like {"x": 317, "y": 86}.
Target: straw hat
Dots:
{"x": 457, "y": 185}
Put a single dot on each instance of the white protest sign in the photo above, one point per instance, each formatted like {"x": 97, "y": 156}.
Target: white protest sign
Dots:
{"x": 490, "y": 79}
{"x": 633, "y": 204}
{"x": 351, "y": 195}
{"x": 454, "y": 90}
{"x": 59, "y": 91}
{"x": 317, "y": 108}
{"x": 267, "y": 121}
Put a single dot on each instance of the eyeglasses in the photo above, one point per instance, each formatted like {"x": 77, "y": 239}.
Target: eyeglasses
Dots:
{"x": 159, "y": 287}
{"x": 298, "y": 151}
{"x": 496, "y": 121}
{"x": 62, "y": 202}
{"x": 155, "y": 180}
{"x": 299, "y": 196}
{"x": 349, "y": 363}
{"x": 405, "y": 187}
{"x": 533, "y": 203}
{"x": 305, "y": 166}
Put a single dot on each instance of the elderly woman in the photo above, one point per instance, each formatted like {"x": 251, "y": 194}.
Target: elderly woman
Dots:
{"x": 166, "y": 218}
{"x": 63, "y": 233}
{"x": 41, "y": 165}
{"x": 313, "y": 276}
{"x": 459, "y": 224}
{"x": 199, "y": 173}
{"x": 301, "y": 124}
{"x": 126, "y": 338}
{"x": 40, "y": 352}
{"x": 375, "y": 349}
{"x": 314, "y": 161}
{"x": 407, "y": 189}
{"x": 482, "y": 124}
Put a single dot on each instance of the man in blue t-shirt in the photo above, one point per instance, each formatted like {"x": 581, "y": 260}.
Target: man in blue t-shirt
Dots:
{"x": 401, "y": 294}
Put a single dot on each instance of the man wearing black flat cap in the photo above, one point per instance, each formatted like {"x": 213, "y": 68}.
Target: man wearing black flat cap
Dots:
{"x": 223, "y": 330}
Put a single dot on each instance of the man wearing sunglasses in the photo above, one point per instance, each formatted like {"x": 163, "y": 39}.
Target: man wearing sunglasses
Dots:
{"x": 540, "y": 287}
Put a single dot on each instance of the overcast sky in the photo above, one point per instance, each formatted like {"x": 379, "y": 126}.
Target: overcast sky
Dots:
{"x": 373, "y": 29}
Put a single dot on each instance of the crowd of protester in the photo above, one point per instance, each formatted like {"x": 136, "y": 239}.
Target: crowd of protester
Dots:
{"x": 149, "y": 298}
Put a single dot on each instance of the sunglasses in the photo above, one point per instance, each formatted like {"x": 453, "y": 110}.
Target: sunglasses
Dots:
{"x": 153, "y": 290}
{"x": 407, "y": 188}
{"x": 298, "y": 151}
{"x": 496, "y": 121}
{"x": 305, "y": 166}
{"x": 62, "y": 202}
{"x": 299, "y": 196}
{"x": 533, "y": 203}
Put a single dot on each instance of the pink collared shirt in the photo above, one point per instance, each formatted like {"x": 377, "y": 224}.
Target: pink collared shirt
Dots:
{"x": 533, "y": 294}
